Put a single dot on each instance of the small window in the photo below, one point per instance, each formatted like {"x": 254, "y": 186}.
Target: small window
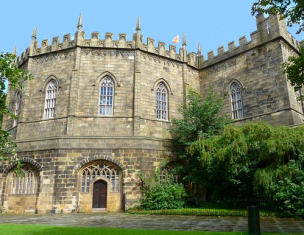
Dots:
{"x": 106, "y": 98}
{"x": 17, "y": 107}
{"x": 50, "y": 99}
{"x": 236, "y": 101}
{"x": 161, "y": 101}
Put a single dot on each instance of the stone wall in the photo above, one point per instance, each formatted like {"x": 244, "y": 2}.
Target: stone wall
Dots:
{"x": 133, "y": 138}
{"x": 59, "y": 177}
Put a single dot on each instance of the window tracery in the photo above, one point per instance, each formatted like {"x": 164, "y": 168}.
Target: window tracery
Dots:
{"x": 106, "y": 98}
{"x": 161, "y": 101}
{"x": 236, "y": 100}
{"x": 98, "y": 170}
{"x": 50, "y": 99}
{"x": 23, "y": 183}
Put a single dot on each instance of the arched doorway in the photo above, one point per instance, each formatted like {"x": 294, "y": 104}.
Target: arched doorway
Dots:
{"x": 99, "y": 195}
{"x": 100, "y": 187}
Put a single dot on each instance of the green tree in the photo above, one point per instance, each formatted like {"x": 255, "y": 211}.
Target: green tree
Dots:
{"x": 251, "y": 161}
{"x": 201, "y": 118}
{"x": 294, "y": 68}
{"x": 293, "y": 11}
{"x": 14, "y": 77}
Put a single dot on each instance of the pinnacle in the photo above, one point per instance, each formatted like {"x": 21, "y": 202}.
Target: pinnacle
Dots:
{"x": 15, "y": 50}
{"x": 184, "y": 40}
{"x": 138, "y": 25}
{"x": 79, "y": 26}
{"x": 199, "y": 49}
{"x": 34, "y": 35}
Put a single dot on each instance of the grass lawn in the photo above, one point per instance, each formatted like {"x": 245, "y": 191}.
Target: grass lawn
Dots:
{"x": 28, "y": 229}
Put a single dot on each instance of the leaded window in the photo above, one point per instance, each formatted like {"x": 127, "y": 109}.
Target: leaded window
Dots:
{"x": 106, "y": 99}
{"x": 161, "y": 101}
{"x": 100, "y": 169}
{"x": 17, "y": 107}
{"x": 236, "y": 100}
{"x": 23, "y": 183}
{"x": 50, "y": 99}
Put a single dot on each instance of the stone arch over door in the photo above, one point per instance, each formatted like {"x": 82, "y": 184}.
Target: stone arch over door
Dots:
{"x": 21, "y": 189}
{"x": 104, "y": 171}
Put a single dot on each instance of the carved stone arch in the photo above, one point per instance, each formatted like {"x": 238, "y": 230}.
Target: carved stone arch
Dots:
{"x": 31, "y": 161}
{"x": 226, "y": 86}
{"x": 89, "y": 159}
{"x": 50, "y": 78}
{"x": 103, "y": 75}
{"x": 166, "y": 84}
{"x": 231, "y": 81}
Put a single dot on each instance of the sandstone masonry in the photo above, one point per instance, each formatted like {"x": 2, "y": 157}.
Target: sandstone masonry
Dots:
{"x": 58, "y": 151}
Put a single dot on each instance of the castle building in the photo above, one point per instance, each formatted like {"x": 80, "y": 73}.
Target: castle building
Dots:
{"x": 97, "y": 112}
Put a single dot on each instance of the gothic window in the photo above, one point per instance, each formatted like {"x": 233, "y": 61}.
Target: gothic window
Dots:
{"x": 161, "y": 101}
{"x": 50, "y": 99}
{"x": 236, "y": 100}
{"x": 100, "y": 169}
{"x": 17, "y": 107}
{"x": 106, "y": 99}
{"x": 23, "y": 183}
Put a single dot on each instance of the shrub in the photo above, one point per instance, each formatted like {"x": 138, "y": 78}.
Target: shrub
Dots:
{"x": 288, "y": 193}
{"x": 165, "y": 194}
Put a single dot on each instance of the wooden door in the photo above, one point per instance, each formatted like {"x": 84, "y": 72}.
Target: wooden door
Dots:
{"x": 99, "y": 194}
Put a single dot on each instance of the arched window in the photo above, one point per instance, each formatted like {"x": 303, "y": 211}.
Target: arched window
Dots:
{"x": 236, "y": 100}
{"x": 106, "y": 98}
{"x": 24, "y": 182}
{"x": 50, "y": 99}
{"x": 100, "y": 169}
{"x": 161, "y": 101}
{"x": 17, "y": 107}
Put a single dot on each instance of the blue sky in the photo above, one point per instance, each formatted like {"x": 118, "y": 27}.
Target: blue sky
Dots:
{"x": 212, "y": 23}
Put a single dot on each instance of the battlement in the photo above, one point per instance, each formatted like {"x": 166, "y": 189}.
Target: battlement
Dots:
{"x": 107, "y": 42}
{"x": 94, "y": 41}
{"x": 267, "y": 29}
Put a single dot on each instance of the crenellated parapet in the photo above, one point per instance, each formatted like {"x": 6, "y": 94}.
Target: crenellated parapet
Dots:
{"x": 268, "y": 29}
{"x": 107, "y": 42}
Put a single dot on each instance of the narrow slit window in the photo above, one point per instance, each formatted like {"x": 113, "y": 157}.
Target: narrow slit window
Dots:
{"x": 161, "y": 101}
{"x": 50, "y": 99}
{"x": 17, "y": 108}
{"x": 236, "y": 101}
{"x": 106, "y": 99}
